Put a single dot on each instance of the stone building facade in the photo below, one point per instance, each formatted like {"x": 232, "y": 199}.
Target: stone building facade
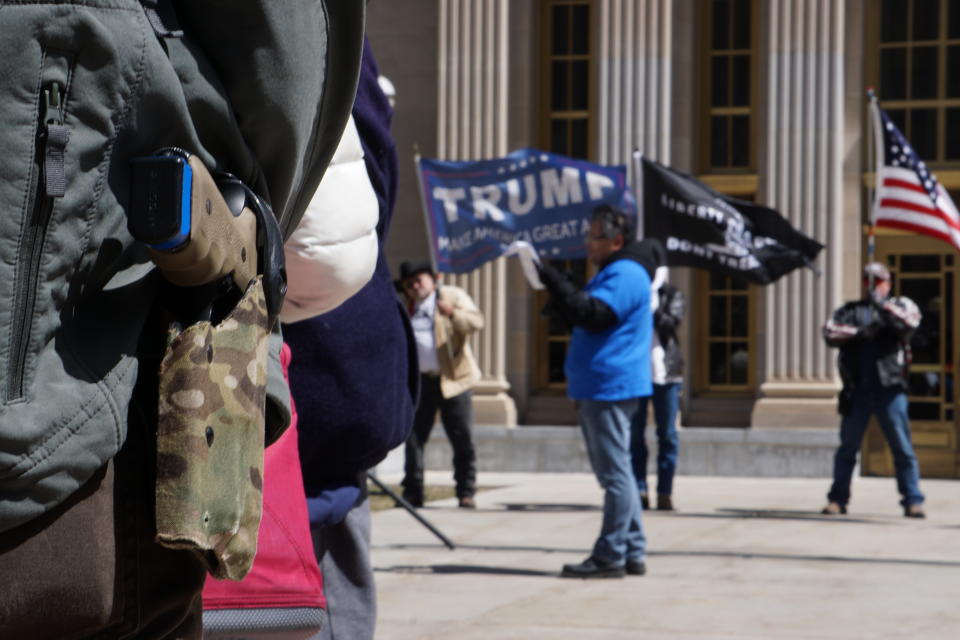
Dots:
{"x": 763, "y": 99}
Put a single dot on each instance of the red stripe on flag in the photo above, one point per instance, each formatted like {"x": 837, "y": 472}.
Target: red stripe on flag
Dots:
{"x": 912, "y": 206}
{"x": 903, "y": 184}
{"x": 916, "y": 228}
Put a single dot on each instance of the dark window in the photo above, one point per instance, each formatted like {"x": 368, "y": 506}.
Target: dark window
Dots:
{"x": 893, "y": 74}
{"x": 740, "y": 135}
{"x": 739, "y": 362}
{"x": 730, "y": 84}
{"x": 561, "y": 30}
{"x": 924, "y": 73}
{"x": 739, "y": 309}
{"x": 924, "y": 411}
{"x": 558, "y": 136}
{"x": 918, "y": 75}
{"x": 718, "y": 140}
{"x": 581, "y": 35}
{"x": 893, "y": 21}
{"x": 926, "y": 20}
{"x": 578, "y": 138}
{"x": 741, "y": 25}
{"x": 948, "y": 326}
{"x": 721, "y": 24}
{"x": 580, "y": 87}
{"x": 558, "y": 353}
{"x": 899, "y": 117}
{"x": 953, "y": 19}
{"x": 566, "y": 125}
{"x": 559, "y": 83}
{"x": 718, "y": 363}
{"x": 720, "y": 82}
{"x": 923, "y": 132}
{"x": 741, "y": 81}
{"x": 918, "y": 263}
{"x": 953, "y": 71}
{"x": 718, "y": 315}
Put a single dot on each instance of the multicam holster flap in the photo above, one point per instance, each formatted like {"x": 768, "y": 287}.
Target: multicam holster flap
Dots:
{"x": 210, "y": 437}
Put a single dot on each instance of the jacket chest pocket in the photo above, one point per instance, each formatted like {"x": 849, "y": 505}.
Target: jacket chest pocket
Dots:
{"x": 46, "y": 183}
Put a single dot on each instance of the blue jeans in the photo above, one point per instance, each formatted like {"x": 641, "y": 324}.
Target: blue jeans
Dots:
{"x": 606, "y": 431}
{"x": 665, "y": 403}
{"x": 890, "y": 407}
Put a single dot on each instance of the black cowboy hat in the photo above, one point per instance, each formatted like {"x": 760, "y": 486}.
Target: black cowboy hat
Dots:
{"x": 409, "y": 268}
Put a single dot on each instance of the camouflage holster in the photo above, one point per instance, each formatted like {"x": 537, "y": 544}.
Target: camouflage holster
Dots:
{"x": 210, "y": 436}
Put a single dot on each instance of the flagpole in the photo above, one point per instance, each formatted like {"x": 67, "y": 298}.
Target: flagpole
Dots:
{"x": 638, "y": 189}
{"x": 874, "y": 150}
{"x": 426, "y": 211}
{"x": 433, "y": 252}
{"x": 874, "y": 153}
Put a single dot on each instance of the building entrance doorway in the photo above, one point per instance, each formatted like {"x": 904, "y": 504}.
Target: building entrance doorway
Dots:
{"x": 926, "y": 271}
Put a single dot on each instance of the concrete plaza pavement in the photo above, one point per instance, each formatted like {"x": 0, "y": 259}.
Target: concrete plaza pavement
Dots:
{"x": 740, "y": 558}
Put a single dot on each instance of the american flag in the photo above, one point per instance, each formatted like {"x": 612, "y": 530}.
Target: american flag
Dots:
{"x": 909, "y": 197}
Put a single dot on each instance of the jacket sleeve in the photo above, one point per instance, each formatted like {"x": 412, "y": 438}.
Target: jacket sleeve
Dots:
{"x": 668, "y": 316}
{"x": 333, "y": 251}
{"x": 900, "y": 314}
{"x": 467, "y": 317}
{"x": 844, "y": 327}
{"x": 289, "y": 70}
{"x": 576, "y": 306}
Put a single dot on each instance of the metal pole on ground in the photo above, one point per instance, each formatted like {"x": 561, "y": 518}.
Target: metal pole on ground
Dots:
{"x": 411, "y": 510}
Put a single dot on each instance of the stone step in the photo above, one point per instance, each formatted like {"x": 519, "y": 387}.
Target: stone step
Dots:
{"x": 704, "y": 451}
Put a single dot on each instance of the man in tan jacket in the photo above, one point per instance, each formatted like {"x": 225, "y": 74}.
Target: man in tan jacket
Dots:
{"x": 443, "y": 319}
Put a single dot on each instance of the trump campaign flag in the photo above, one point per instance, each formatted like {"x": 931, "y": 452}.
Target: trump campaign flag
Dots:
{"x": 908, "y": 195}
{"x": 700, "y": 227}
{"x": 476, "y": 209}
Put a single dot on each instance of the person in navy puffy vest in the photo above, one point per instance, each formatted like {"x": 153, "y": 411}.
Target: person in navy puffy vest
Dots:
{"x": 354, "y": 380}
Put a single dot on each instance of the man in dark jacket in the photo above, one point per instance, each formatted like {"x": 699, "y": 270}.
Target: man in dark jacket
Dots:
{"x": 873, "y": 335}
{"x": 608, "y": 371}
{"x": 667, "y": 371}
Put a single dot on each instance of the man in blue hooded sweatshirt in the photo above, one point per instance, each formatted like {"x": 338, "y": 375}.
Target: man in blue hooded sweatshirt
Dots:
{"x": 608, "y": 371}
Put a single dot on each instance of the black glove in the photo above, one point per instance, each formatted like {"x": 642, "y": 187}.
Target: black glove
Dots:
{"x": 555, "y": 282}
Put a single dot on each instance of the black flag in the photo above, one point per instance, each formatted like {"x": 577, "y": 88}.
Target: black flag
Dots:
{"x": 702, "y": 228}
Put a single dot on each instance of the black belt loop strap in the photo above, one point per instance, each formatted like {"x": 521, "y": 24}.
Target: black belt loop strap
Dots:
{"x": 162, "y": 18}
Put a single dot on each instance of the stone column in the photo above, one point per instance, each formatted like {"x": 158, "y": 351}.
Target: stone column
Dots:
{"x": 471, "y": 124}
{"x": 801, "y": 176}
{"x": 635, "y": 76}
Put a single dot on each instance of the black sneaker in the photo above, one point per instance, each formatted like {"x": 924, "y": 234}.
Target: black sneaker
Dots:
{"x": 645, "y": 502}
{"x": 636, "y": 568}
{"x": 592, "y": 568}
{"x": 913, "y": 511}
{"x": 415, "y": 501}
{"x": 834, "y": 509}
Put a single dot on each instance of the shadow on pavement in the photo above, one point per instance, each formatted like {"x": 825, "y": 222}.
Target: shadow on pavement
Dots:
{"x": 486, "y": 547}
{"x": 465, "y": 568}
{"x": 806, "y": 558}
{"x": 542, "y": 507}
{"x": 781, "y": 514}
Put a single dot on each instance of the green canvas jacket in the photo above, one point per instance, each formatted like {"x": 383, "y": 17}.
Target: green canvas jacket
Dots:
{"x": 258, "y": 88}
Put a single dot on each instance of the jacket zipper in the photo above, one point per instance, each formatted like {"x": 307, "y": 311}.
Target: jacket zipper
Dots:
{"x": 49, "y": 175}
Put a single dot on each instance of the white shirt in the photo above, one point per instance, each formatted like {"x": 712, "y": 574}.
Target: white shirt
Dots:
{"x": 657, "y": 365}
{"x": 422, "y": 321}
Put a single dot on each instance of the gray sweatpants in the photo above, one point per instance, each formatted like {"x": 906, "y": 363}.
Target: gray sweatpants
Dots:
{"x": 343, "y": 551}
